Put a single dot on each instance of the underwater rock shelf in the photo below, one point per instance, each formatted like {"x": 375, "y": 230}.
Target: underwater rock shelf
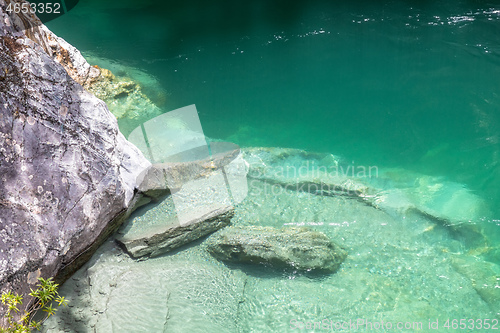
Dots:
{"x": 198, "y": 196}
{"x": 394, "y": 265}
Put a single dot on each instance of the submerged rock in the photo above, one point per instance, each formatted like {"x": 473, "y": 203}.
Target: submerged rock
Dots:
{"x": 162, "y": 178}
{"x": 446, "y": 203}
{"x": 68, "y": 176}
{"x": 180, "y": 293}
{"x": 399, "y": 192}
{"x": 124, "y": 97}
{"x": 299, "y": 170}
{"x": 300, "y": 248}
{"x": 451, "y": 202}
{"x": 149, "y": 85}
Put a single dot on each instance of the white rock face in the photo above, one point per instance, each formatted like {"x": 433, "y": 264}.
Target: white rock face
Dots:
{"x": 66, "y": 172}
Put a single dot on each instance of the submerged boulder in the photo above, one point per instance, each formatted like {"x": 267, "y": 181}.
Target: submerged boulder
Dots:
{"x": 300, "y": 248}
{"x": 397, "y": 191}
{"x": 124, "y": 97}
{"x": 68, "y": 176}
{"x": 453, "y": 203}
{"x": 315, "y": 173}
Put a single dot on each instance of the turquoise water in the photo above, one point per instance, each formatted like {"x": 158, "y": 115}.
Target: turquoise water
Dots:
{"x": 413, "y": 84}
{"x": 402, "y": 85}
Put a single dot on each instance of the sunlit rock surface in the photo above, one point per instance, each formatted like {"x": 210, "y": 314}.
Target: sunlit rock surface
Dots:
{"x": 124, "y": 97}
{"x": 150, "y": 87}
{"x": 299, "y": 170}
{"x": 167, "y": 233}
{"x": 485, "y": 278}
{"x": 67, "y": 174}
{"x": 443, "y": 199}
{"x": 398, "y": 269}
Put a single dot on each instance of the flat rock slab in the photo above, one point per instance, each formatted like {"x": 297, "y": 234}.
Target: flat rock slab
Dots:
{"x": 181, "y": 293}
{"x": 397, "y": 191}
{"x": 484, "y": 277}
{"x": 162, "y": 178}
{"x": 301, "y": 248}
{"x": 170, "y": 234}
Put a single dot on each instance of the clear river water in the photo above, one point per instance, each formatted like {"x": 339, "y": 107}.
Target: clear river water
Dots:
{"x": 407, "y": 86}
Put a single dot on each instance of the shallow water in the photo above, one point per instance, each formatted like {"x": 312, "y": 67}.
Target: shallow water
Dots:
{"x": 410, "y": 87}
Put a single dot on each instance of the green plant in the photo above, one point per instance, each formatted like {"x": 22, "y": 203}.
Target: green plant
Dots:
{"x": 45, "y": 294}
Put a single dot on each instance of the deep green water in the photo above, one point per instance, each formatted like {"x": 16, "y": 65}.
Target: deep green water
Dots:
{"x": 396, "y": 84}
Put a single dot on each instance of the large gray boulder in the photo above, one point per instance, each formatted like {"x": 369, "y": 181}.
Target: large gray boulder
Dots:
{"x": 300, "y": 248}
{"x": 67, "y": 175}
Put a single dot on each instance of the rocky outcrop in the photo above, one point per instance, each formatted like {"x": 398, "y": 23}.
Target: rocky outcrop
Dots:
{"x": 300, "y": 248}
{"x": 124, "y": 98}
{"x": 67, "y": 174}
{"x": 122, "y": 95}
{"x": 29, "y": 29}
